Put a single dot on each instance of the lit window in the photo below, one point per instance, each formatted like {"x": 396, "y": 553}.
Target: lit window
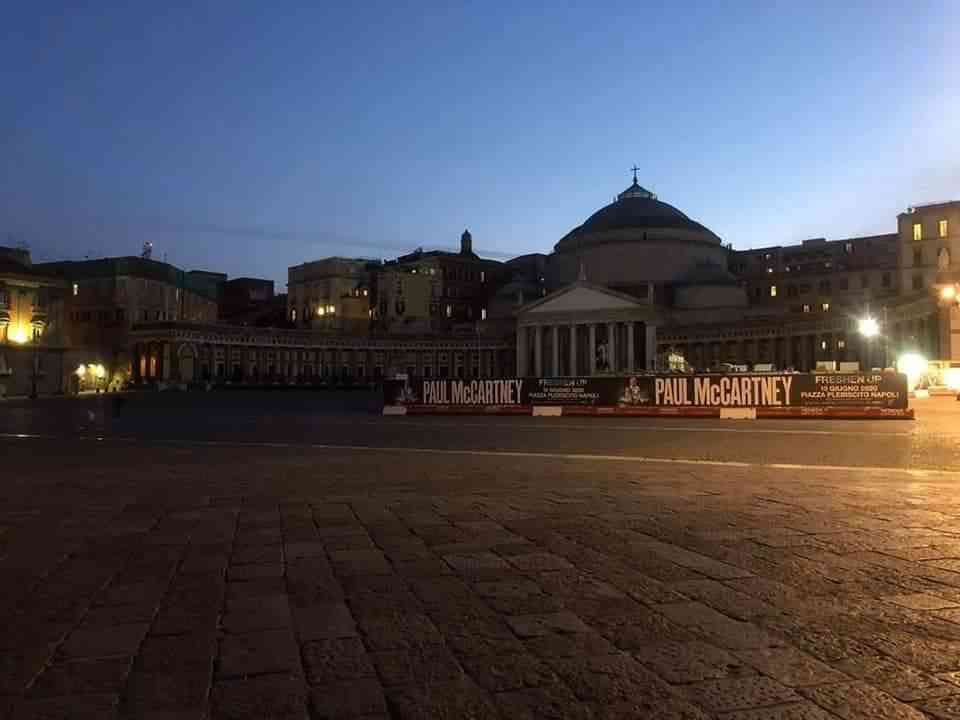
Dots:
{"x": 823, "y": 344}
{"x": 449, "y": 311}
{"x": 483, "y": 275}
{"x": 321, "y": 311}
{"x": 293, "y": 315}
{"x": 942, "y": 227}
{"x": 76, "y": 289}
{"x": 806, "y": 308}
{"x": 841, "y": 344}
{"x": 769, "y": 269}
{"x": 331, "y": 309}
{"x": 365, "y": 292}
{"x": 483, "y": 313}
{"x": 773, "y": 291}
{"x": 825, "y": 307}
{"x": 917, "y": 231}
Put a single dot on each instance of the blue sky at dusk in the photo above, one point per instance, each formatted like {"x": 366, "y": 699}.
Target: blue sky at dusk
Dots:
{"x": 249, "y": 136}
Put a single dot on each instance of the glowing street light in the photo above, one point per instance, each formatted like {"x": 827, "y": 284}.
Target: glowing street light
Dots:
{"x": 948, "y": 293}
{"x": 869, "y": 327}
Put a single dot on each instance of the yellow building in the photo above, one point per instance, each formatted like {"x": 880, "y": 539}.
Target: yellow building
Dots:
{"x": 32, "y": 340}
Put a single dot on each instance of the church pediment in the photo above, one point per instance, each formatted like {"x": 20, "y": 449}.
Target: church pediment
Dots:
{"x": 582, "y": 298}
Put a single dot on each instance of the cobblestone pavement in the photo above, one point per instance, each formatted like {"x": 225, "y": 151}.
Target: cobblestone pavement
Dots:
{"x": 274, "y": 582}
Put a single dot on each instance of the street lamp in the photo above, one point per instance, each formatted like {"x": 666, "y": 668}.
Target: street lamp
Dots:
{"x": 868, "y": 327}
{"x": 948, "y": 293}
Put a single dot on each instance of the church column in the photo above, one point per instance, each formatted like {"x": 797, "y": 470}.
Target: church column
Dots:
{"x": 165, "y": 362}
{"x": 538, "y": 351}
{"x": 592, "y": 328}
{"x": 521, "y": 351}
{"x": 612, "y": 347}
{"x": 573, "y": 350}
{"x": 650, "y": 346}
{"x": 555, "y": 339}
{"x": 630, "y": 359}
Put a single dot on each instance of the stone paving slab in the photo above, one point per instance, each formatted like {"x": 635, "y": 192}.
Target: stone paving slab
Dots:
{"x": 211, "y": 583}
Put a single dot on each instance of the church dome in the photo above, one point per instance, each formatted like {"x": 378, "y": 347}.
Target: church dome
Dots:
{"x": 635, "y": 241}
{"x": 636, "y": 209}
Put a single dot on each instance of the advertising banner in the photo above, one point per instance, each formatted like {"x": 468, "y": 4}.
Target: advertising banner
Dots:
{"x": 735, "y": 390}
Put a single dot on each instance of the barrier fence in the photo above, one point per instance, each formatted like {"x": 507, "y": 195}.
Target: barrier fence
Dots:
{"x": 766, "y": 394}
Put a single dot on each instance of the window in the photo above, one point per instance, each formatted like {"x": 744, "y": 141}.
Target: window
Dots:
{"x": 804, "y": 289}
{"x": 917, "y": 231}
{"x": 76, "y": 289}
{"x": 885, "y": 281}
{"x": 864, "y": 281}
{"x": 841, "y": 344}
{"x": 918, "y": 282}
{"x": 843, "y": 284}
{"x": 449, "y": 311}
{"x": 121, "y": 314}
{"x": 293, "y": 315}
{"x": 848, "y": 248}
{"x": 918, "y": 256}
{"x": 825, "y": 307}
{"x": 942, "y": 228}
{"x": 791, "y": 290}
{"x": 483, "y": 274}
{"x": 806, "y": 308}
{"x": 773, "y": 291}
{"x": 483, "y": 313}
{"x": 769, "y": 270}
{"x": 758, "y": 292}
{"x": 824, "y": 286}
{"x": 823, "y": 344}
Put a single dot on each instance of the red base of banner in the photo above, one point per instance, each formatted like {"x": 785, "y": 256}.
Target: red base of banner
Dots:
{"x": 762, "y": 413}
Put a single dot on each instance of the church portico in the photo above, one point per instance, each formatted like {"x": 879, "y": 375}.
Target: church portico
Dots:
{"x": 584, "y": 329}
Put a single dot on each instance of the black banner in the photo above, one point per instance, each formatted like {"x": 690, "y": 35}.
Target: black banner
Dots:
{"x": 885, "y": 390}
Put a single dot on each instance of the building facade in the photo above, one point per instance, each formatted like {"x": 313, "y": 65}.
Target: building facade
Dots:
{"x": 638, "y": 286}
{"x": 796, "y": 307}
{"x": 33, "y": 344}
{"x": 106, "y": 297}
{"x": 461, "y": 283}
{"x": 330, "y": 295}
{"x": 185, "y": 353}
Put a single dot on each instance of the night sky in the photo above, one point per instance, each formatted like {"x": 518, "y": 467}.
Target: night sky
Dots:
{"x": 249, "y": 136}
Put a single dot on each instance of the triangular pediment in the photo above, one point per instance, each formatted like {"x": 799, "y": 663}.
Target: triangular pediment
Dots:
{"x": 581, "y": 297}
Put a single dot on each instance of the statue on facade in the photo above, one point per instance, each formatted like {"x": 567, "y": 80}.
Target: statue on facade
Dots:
{"x": 943, "y": 259}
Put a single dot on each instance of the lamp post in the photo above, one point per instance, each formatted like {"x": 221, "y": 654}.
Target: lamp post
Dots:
{"x": 869, "y": 328}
